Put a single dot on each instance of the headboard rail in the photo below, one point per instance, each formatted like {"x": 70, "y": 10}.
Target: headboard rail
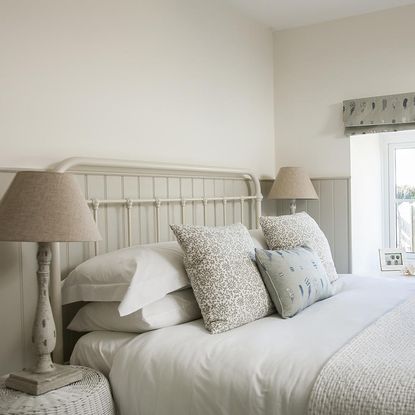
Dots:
{"x": 130, "y": 197}
{"x": 128, "y": 204}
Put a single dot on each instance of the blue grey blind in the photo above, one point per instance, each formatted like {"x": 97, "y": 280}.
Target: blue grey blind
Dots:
{"x": 379, "y": 114}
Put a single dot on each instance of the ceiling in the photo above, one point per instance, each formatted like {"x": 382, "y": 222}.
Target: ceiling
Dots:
{"x": 285, "y": 14}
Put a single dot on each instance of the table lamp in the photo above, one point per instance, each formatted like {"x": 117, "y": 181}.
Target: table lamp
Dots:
{"x": 292, "y": 183}
{"x": 45, "y": 207}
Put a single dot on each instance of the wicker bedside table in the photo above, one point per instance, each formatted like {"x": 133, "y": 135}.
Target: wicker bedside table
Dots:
{"x": 89, "y": 396}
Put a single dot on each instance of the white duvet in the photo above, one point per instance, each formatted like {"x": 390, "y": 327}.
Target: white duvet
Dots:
{"x": 265, "y": 367}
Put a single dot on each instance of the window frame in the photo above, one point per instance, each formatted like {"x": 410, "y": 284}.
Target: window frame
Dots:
{"x": 390, "y": 201}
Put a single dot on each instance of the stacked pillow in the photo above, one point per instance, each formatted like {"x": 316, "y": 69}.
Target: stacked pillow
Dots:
{"x": 140, "y": 283}
{"x": 147, "y": 285}
{"x": 234, "y": 277}
{"x": 175, "y": 308}
{"x": 134, "y": 276}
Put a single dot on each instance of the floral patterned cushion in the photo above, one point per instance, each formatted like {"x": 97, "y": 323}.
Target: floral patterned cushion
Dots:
{"x": 289, "y": 231}
{"x": 295, "y": 278}
{"x": 220, "y": 262}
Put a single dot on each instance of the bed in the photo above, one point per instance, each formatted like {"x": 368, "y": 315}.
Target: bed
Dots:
{"x": 265, "y": 367}
{"x": 268, "y": 366}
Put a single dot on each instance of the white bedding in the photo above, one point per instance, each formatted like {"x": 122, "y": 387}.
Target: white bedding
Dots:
{"x": 265, "y": 367}
{"x": 97, "y": 349}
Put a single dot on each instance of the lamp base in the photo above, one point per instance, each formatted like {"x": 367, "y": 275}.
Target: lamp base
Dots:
{"x": 293, "y": 206}
{"x": 39, "y": 383}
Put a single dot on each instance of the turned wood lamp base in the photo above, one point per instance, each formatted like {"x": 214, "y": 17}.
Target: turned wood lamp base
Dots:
{"x": 38, "y": 383}
{"x": 46, "y": 375}
{"x": 293, "y": 206}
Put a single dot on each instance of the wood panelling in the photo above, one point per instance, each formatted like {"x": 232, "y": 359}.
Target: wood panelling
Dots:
{"x": 18, "y": 285}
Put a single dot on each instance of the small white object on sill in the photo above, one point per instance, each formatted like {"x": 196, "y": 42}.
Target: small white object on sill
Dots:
{"x": 408, "y": 270}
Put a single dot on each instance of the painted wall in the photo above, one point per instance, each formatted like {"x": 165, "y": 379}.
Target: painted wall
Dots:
{"x": 317, "y": 67}
{"x": 189, "y": 81}
{"x": 366, "y": 203}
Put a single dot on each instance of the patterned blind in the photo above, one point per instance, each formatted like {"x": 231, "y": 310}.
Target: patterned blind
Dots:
{"x": 379, "y": 114}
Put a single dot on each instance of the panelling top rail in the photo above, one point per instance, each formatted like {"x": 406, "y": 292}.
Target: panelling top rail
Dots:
{"x": 153, "y": 210}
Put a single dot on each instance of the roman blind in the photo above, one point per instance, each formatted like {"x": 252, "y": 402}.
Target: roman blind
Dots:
{"x": 379, "y": 114}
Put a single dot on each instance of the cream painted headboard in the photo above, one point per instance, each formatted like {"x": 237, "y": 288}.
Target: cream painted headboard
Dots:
{"x": 134, "y": 203}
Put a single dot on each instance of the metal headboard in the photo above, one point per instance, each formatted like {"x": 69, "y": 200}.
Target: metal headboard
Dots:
{"x": 94, "y": 166}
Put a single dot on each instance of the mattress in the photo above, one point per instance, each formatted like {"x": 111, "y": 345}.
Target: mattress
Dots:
{"x": 266, "y": 367}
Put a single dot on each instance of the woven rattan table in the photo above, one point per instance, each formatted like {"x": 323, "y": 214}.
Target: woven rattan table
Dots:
{"x": 89, "y": 396}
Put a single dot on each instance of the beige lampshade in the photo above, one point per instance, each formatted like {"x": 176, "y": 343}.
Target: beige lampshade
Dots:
{"x": 44, "y": 206}
{"x": 292, "y": 183}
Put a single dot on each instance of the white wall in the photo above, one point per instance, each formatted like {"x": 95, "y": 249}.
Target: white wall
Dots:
{"x": 366, "y": 203}
{"x": 317, "y": 67}
{"x": 187, "y": 81}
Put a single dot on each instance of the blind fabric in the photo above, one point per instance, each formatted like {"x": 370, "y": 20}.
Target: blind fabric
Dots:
{"x": 379, "y": 114}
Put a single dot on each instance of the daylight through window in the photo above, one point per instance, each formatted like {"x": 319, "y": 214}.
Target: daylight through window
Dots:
{"x": 402, "y": 192}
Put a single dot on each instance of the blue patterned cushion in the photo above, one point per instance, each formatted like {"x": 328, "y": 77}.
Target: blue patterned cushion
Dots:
{"x": 295, "y": 278}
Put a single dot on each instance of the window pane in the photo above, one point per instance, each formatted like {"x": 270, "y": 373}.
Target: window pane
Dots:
{"x": 405, "y": 191}
{"x": 405, "y": 225}
{"x": 405, "y": 173}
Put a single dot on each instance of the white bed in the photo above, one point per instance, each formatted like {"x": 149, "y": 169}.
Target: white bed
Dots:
{"x": 269, "y": 366}
{"x": 265, "y": 367}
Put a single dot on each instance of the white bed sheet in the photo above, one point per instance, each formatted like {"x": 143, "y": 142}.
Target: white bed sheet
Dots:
{"x": 265, "y": 367}
{"x": 97, "y": 349}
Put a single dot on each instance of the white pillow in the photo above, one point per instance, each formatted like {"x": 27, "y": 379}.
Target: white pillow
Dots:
{"x": 258, "y": 238}
{"x": 175, "y": 308}
{"x": 136, "y": 276}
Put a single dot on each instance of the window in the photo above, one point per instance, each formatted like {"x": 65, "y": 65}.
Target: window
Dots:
{"x": 401, "y": 192}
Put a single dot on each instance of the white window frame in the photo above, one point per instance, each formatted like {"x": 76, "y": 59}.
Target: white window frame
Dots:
{"x": 393, "y": 142}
